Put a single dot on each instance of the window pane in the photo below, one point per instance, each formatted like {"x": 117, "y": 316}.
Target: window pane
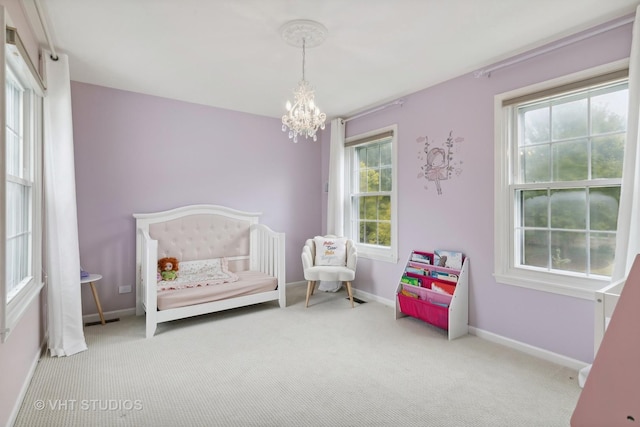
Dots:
{"x": 569, "y": 251}
{"x": 373, "y": 156}
{"x": 384, "y": 234}
{"x": 362, "y": 232}
{"x": 369, "y": 207}
{"x": 603, "y": 208}
{"x": 370, "y": 233}
{"x": 18, "y": 236}
{"x": 607, "y": 153}
{"x": 373, "y": 180}
{"x": 14, "y": 104}
{"x": 570, "y": 161}
{"x": 569, "y": 209}
{"x": 535, "y": 248}
{"x": 569, "y": 119}
{"x": 385, "y": 179}
{"x": 385, "y": 154}
{"x": 14, "y": 154}
{"x": 535, "y": 163}
{"x": 384, "y": 208}
{"x": 609, "y": 112}
{"x": 602, "y": 251}
{"x": 535, "y": 208}
{"x": 536, "y": 126}
{"x": 362, "y": 186}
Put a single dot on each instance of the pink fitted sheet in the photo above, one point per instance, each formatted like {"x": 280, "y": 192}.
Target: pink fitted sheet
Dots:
{"x": 250, "y": 282}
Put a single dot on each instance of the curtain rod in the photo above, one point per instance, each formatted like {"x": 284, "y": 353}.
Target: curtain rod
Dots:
{"x": 373, "y": 110}
{"x": 553, "y": 46}
{"x": 45, "y": 30}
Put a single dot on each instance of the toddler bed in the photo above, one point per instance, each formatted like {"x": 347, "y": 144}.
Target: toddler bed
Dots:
{"x": 246, "y": 258}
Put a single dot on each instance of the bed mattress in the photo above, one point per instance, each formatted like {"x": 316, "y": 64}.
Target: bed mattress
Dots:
{"x": 249, "y": 282}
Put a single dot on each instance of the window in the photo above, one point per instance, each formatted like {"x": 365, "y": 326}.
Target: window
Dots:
{"x": 558, "y": 188}
{"x": 19, "y": 191}
{"x": 371, "y": 219}
{"x": 22, "y": 226}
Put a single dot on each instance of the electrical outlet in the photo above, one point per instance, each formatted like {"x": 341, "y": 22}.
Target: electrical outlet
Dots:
{"x": 124, "y": 289}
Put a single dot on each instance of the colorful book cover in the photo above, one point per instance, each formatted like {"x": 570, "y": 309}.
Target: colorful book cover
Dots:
{"x": 410, "y": 280}
{"x": 423, "y": 257}
{"x": 448, "y": 259}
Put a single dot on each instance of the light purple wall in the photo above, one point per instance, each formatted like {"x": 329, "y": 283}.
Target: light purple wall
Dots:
{"x": 136, "y": 153}
{"x": 463, "y": 216}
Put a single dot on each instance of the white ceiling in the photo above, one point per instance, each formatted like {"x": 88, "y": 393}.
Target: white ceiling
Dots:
{"x": 229, "y": 53}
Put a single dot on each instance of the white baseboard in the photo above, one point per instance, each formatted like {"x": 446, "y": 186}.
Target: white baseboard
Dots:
{"x": 529, "y": 349}
{"x": 498, "y": 339}
{"x": 358, "y": 293}
{"x": 371, "y": 297}
{"x": 302, "y": 282}
{"x": 25, "y": 384}
{"x": 91, "y": 318}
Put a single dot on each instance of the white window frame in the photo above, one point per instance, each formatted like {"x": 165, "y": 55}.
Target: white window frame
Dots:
{"x": 15, "y": 58}
{"x": 376, "y": 252}
{"x": 505, "y": 272}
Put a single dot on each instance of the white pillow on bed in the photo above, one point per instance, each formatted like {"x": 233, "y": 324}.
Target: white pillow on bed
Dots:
{"x": 205, "y": 272}
{"x": 216, "y": 267}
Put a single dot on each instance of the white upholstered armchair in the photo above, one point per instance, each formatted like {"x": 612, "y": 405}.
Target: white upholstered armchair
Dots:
{"x": 329, "y": 258}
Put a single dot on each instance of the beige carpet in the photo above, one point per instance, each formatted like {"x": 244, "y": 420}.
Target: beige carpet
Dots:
{"x": 327, "y": 365}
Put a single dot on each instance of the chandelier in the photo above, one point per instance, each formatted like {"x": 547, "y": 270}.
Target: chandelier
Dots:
{"x": 303, "y": 117}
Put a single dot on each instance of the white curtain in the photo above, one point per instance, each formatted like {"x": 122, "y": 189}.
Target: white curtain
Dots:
{"x": 66, "y": 336}
{"x": 335, "y": 203}
{"x": 628, "y": 237}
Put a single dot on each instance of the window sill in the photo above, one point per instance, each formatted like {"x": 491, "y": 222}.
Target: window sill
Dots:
{"x": 576, "y": 287}
{"x": 18, "y": 306}
{"x": 370, "y": 252}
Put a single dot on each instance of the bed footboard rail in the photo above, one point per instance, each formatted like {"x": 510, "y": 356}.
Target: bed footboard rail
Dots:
{"x": 146, "y": 292}
{"x": 267, "y": 254}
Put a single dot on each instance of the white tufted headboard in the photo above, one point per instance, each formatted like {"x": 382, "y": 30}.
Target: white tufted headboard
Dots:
{"x": 201, "y": 232}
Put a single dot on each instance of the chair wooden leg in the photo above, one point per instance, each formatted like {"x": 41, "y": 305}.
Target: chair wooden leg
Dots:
{"x": 310, "y": 285}
{"x": 313, "y": 287}
{"x": 350, "y": 293}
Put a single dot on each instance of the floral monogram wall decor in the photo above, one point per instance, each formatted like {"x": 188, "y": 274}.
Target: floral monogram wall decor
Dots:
{"x": 438, "y": 162}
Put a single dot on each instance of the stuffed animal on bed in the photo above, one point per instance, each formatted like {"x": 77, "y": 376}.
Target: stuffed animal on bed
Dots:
{"x": 168, "y": 268}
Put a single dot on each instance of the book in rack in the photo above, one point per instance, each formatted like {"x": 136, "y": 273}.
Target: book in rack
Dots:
{"x": 434, "y": 287}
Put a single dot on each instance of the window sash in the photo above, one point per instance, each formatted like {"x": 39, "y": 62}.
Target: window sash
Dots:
{"x": 19, "y": 196}
{"x": 508, "y": 183}
{"x": 375, "y": 238}
{"x": 21, "y": 229}
{"x": 551, "y": 258}
{"x": 360, "y": 223}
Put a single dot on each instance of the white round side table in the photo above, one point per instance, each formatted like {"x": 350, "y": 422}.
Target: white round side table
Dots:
{"x": 91, "y": 279}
